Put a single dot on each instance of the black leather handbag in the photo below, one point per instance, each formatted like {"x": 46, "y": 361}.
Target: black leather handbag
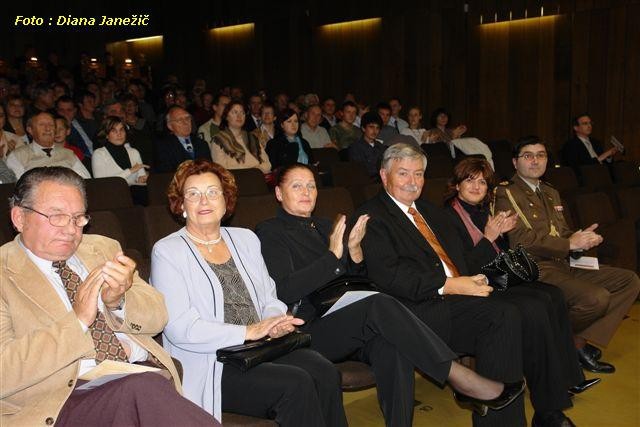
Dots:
{"x": 324, "y": 298}
{"x": 511, "y": 268}
{"x": 246, "y": 356}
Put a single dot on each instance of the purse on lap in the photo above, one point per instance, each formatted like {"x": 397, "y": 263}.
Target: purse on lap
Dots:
{"x": 246, "y": 356}
{"x": 511, "y": 268}
{"x": 324, "y": 298}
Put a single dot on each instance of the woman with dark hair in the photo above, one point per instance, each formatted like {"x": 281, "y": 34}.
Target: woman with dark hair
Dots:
{"x": 550, "y": 362}
{"x": 304, "y": 253}
{"x": 288, "y": 147}
{"x": 233, "y": 147}
{"x": 115, "y": 158}
{"x": 16, "y": 121}
{"x": 218, "y": 294}
{"x": 9, "y": 141}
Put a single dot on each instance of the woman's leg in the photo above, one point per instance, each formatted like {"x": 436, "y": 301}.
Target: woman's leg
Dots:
{"x": 271, "y": 390}
{"x": 542, "y": 364}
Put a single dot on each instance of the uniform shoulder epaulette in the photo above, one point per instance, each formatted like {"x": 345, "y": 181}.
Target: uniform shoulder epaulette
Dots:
{"x": 548, "y": 184}
{"x": 505, "y": 183}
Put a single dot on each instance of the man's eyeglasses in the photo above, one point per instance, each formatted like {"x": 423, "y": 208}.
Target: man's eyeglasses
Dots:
{"x": 530, "y": 156}
{"x": 194, "y": 195}
{"x": 62, "y": 220}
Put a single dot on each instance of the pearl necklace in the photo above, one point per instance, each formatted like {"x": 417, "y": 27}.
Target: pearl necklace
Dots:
{"x": 207, "y": 243}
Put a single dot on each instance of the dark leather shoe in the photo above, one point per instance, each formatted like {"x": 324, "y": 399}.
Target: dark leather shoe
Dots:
{"x": 594, "y": 351}
{"x": 591, "y": 364}
{"x": 509, "y": 394}
{"x": 551, "y": 419}
{"x": 584, "y": 385}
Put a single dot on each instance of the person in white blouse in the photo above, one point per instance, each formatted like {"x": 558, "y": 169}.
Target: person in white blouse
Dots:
{"x": 415, "y": 128}
{"x": 117, "y": 158}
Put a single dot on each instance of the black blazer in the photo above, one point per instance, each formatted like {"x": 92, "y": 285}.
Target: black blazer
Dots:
{"x": 168, "y": 152}
{"x": 281, "y": 152}
{"x": 249, "y": 123}
{"x": 296, "y": 251}
{"x": 401, "y": 262}
{"x": 371, "y": 157}
{"x": 575, "y": 154}
{"x": 476, "y": 256}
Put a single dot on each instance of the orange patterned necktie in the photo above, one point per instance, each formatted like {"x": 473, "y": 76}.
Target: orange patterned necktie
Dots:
{"x": 106, "y": 343}
{"x": 433, "y": 241}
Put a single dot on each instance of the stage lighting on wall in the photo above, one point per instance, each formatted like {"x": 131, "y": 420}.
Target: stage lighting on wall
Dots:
{"x": 234, "y": 29}
{"x": 357, "y": 24}
{"x": 142, "y": 39}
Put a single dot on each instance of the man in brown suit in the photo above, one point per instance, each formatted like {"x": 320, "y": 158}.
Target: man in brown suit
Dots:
{"x": 597, "y": 299}
{"x": 69, "y": 301}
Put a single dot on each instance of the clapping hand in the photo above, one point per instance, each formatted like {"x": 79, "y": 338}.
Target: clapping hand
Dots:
{"x": 502, "y": 222}
{"x": 118, "y": 278}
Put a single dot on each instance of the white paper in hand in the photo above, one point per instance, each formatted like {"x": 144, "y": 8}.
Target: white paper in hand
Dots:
{"x": 585, "y": 262}
{"x": 348, "y": 298}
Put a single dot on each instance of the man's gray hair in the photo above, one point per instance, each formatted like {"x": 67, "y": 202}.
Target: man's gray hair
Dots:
{"x": 401, "y": 151}
{"x": 24, "y": 191}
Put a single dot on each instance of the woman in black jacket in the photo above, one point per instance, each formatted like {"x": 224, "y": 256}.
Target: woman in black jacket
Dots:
{"x": 303, "y": 253}
{"x": 288, "y": 146}
{"x": 551, "y": 363}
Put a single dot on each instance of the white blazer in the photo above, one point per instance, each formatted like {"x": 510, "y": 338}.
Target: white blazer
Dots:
{"x": 103, "y": 165}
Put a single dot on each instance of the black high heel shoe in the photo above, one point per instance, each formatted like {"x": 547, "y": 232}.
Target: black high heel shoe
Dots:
{"x": 509, "y": 394}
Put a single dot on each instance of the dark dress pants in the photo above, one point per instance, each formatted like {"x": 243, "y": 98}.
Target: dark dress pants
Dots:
{"x": 488, "y": 329}
{"x": 146, "y": 399}
{"x": 301, "y": 388}
{"x": 549, "y": 356}
{"x": 380, "y": 331}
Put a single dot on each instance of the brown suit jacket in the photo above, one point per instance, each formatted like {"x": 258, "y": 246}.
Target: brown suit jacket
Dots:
{"x": 542, "y": 216}
{"x": 42, "y": 343}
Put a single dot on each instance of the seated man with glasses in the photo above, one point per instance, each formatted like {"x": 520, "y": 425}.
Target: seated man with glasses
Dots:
{"x": 180, "y": 145}
{"x": 599, "y": 299}
{"x": 69, "y": 302}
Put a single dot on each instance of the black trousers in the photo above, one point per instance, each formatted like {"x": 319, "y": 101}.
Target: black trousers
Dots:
{"x": 300, "y": 388}
{"x": 550, "y": 360}
{"x": 380, "y": 331}
{"x": 146, "y": 399}
{"x": 488, "y": 329}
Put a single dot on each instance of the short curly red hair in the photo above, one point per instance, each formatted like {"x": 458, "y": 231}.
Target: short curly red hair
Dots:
{"x": 198, "y": 167}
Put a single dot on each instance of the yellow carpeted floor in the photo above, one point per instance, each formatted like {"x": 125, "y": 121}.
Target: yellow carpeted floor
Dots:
{"x": 615, "y": 402}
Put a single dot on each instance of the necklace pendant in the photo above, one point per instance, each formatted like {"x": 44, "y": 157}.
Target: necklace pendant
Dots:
{"x": 209, "y": 248}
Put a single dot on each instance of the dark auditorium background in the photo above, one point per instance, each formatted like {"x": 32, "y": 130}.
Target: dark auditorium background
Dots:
{"x": 503, "y": 79}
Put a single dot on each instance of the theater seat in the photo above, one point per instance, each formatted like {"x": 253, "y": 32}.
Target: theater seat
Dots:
{"x": 108, "y": 193}
{"x": 626, "y": 174}
{"x": 434, "y": 189}
{"x": 252, "y": 210}
{"x": 158, "y": 223}
{"x": 157, "y": 185}
{"x": 333, "y": 201}
{"x": 250, "y": 182}
{"x": 355, "y": 375}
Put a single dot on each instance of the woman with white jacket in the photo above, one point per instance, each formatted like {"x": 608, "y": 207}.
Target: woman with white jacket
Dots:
{"x": 116, "y": 158}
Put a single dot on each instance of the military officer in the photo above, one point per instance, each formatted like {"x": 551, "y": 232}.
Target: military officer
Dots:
{"x": 597, "y": 299}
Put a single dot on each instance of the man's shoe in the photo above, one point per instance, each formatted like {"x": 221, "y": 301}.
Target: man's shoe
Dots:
{"x": 591, "y": 364}
{"x": 584, "y": 385}
{"x": 594, "y": 351}
{"x": 510, "y": 392}
{"x": 551, "y": 419}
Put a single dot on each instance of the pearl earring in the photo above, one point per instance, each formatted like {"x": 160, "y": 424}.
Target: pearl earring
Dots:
{"x": 184, "y": 214}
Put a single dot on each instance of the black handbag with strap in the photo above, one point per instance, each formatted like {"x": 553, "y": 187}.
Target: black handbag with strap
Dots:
{"x": 324, "y": 298}
{"x": 246, "y": 356}
{"x": 511, "y": 268}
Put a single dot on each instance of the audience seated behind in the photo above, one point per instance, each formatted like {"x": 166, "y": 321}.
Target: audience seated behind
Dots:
{"x": 233, "y": 147}
{"x": 288, "y": 146}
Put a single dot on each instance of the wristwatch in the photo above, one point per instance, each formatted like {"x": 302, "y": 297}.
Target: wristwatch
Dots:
{"x": 120, "y": 305}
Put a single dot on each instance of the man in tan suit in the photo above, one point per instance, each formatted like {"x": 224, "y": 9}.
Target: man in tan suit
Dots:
{"x": 597, "y": 299}
{"x": 69, "y": 301}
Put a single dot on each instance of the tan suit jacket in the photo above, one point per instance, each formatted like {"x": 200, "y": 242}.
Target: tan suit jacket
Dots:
{"x": 42, "y": 343}
{"x": 544, "y": 216}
